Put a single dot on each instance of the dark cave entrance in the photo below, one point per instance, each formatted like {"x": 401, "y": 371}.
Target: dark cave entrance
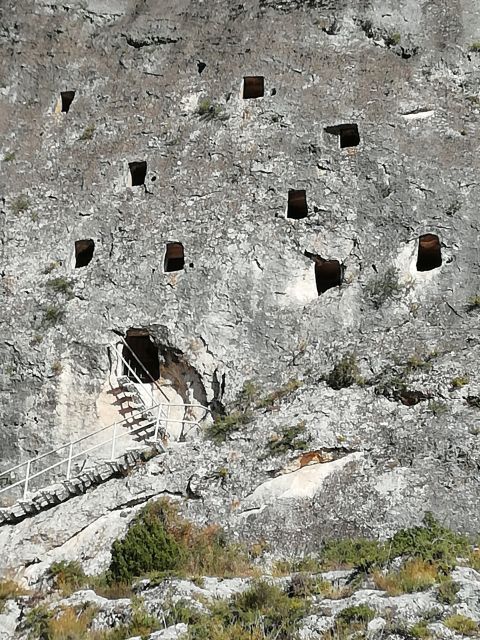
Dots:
{"x": 297, "y": 204}
{"x": 67, "y": 99}
{"x": 429, "y": 252}
{"x": 83, "y": 252}
{"x": 328, "y": 274}
{"x": 174, "y": 257}
{"x": 138, "y": 172}
{"x": 253, "y": 87}
{"x": 141, "y": 355}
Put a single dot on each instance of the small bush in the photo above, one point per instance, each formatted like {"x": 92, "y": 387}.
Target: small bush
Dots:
{"x": 383, "y": 287}
{"x": 88, "y": 132}
{"x": 57, "y": 368}
{"x": 70, "y": 624}
{"x": 223, "y": 426}
{"x": 431, "y": 542}
{"x": 52, "y": 315}
{"x": 290, "y": 439}
{"x": 460, "y": 381}
{"x": 360, "y": 613}
{"x": 461, "y": 624}
{"x": 447, "y": 591}
{"x": 392, "y": 39}
{"x": 20, "y": 204}
{"x": 50, "y": 267}
{"x": 37, "y": 623}
{"x": 359, "y": 553}
{"x": 473, "y": 303}
{"x": 475, "y": 47}
{"x": 61, "y": 285}
{"x": 9, "y": 590}
{"x": 146, "y": 547}
{"x": 275, "y": 397}
{"x": 345, "y": 373}
{"x": 415, "y": 575}
{"x": 208, "y": 110}
{"x": 419, "y": 630}
{"x": 67, "y": 576}
{"x": 9, "y": 156}
{"x": 438, "y": 408}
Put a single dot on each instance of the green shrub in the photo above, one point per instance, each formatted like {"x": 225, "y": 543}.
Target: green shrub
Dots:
{"x": 475, "y": 47}
{"x": 437, "y": 407}
{"x": 159, "y": 542}
{"x": 242, "y": 410}
{"x": 146, "y": 547}
{"x": 392, "y": 39}
{"x": 359, "y": 553}
{"x": 9, "y": 156}
{"x": 461, "y": 624}
{"x": 88, "y": 132}
{"x": 209, "y": 110}
{"x": 224, "y": 426}
{"x": 345, "y": 373}
{"x": 473, "y": 303}
{"x": 383, "y": 287}
{"x": 419, "y": 630}
{"x": 61, "y": 285}
{"x": 290, "y": 439}
{"x": 37, "y": 623}
{"x": 460, "y": 381}
{"x": 20, "y": 204}
{"x": 275, "y": 397}
{"x": 52, "y": 315}
{"x": 447, "y": 591}
{"x": 359, "y": 613}
{"x": 431, "y": 542}
{"x": 67, "y": 576}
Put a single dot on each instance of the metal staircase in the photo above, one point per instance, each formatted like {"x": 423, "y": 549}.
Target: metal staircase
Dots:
{"x": 72, "y": 465}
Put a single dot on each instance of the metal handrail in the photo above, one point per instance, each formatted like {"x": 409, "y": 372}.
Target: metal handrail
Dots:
{"x": 112, "y": 441}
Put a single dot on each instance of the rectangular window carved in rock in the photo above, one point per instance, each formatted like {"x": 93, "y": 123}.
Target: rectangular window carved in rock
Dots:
{"x": 429, "y": 252}
{"x": 297, "y": 204}
{"x": 64, "y": 102}
{"x": 138, "y": 173}
{"x": 174, "y": 257}
{"x": 253, "y": 87}
{"x": 348, "y": 134}
{"x": 83, "y": 252}
{"x": 328, "y": 274}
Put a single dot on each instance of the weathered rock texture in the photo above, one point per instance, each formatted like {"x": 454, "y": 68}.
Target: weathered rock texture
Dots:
{"x": 246, "y": 304}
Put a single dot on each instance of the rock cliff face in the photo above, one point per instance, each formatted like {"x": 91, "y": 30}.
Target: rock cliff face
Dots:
{"x": 91, "y": 90}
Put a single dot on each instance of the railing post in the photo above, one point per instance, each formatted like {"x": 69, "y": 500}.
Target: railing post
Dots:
{"x": 112, "y": 453}
{"x": 27, "y": 476}
{"x": 69, "y": 464}
{"x": 157, "y": 424}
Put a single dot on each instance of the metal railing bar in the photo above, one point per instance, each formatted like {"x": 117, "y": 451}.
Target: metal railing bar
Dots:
{"x": 74, "y": 442}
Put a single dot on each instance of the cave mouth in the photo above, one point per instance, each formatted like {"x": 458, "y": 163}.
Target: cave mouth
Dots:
{"x": 429, "y": 252}
{"x": 328, "y": 274}
{"x": 253, "y": 87}
{"x": 348, "y": 134}
{"x": 84, "y": 250}
{"x": 174, "y": 257}
{"x": 297, "y": 204}
{"x": 141, "y": 355}
{"x": 138, "y": 173}
{"x": 66, "y": 98}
